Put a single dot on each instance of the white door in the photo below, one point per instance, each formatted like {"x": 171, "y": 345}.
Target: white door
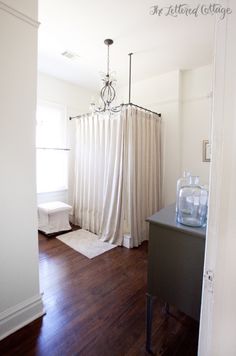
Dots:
{"x": 218, "y": 316}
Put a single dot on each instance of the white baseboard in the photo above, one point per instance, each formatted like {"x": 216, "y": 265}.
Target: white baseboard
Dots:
{"x": 20, "y": 315}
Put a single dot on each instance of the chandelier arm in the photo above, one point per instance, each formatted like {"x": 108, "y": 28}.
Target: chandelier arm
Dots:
{"x": 109, "y": 94}
{"x": 102, "y": 94}
{"x": 113, "y": 94}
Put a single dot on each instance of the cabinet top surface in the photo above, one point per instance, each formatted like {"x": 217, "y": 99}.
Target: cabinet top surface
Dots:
{"x": 167, "y": 217}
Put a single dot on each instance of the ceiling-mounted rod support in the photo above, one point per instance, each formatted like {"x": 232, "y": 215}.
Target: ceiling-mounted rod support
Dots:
{"x": 130, "y": 67}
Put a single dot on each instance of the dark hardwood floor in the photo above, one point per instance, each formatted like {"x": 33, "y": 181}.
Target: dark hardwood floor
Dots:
{"x": 97, "y": 308}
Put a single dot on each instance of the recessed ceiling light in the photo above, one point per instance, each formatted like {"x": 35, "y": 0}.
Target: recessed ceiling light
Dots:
{"x": 70, "y": 55}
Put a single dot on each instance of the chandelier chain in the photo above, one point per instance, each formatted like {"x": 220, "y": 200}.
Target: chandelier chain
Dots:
{"x": 108, "y": 60}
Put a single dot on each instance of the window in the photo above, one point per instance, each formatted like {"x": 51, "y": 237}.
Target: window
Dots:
{"x": 52, "y": 155}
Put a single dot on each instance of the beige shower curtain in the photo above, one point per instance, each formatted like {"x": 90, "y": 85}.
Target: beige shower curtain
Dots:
{"x": 143, "y": 171}
{"x": 117, "y": 173}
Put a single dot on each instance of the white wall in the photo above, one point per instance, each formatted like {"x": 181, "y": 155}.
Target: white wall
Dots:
{"x": 20, "y": 300}
{"x": 162, "y": 94}
{"x": 182, "y": 98}
{"x": 195, "y": 119}
{"x": 76, "y": 100}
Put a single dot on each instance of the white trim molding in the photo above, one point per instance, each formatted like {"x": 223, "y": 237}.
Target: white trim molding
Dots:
{"x": 20, "y": 315}
{"x": 214, "y": 214}
{"x": 10, "y": 10}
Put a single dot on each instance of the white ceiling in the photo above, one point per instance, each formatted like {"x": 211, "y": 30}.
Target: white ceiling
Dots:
{"x": 159, "y": 44}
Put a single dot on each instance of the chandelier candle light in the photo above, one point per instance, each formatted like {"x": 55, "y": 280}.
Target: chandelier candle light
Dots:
{"x": 107, "y": 92}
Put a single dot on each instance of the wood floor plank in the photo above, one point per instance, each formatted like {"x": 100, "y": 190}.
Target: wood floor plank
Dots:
{"x": 97, "y": 307}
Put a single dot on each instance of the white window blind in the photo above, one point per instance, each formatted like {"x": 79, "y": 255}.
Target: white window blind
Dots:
{"x": 52, "y": 154}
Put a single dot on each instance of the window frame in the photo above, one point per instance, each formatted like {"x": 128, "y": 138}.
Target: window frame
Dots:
{"x": 63, "y": 109}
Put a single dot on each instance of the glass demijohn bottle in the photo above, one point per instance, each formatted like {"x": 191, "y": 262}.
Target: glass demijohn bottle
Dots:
{"x": 192, "y": 203}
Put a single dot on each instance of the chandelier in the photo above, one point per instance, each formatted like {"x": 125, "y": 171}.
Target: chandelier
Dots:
{"x": 107, "y": 93}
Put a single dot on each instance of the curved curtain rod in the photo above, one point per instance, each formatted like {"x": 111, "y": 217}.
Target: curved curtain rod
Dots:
{"x": 53, "y": 148}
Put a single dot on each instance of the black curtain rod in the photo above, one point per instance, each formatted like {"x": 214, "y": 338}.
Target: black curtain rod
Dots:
{"x": 53, "y": 148}
{"x": 142, "y": 108}
{"x": 128, "y": 104}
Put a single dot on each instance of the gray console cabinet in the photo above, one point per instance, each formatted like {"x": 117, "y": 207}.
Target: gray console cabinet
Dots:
{"x": 175, "y": 264}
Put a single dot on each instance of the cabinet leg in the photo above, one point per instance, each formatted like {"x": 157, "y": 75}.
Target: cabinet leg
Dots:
{"x": 167, "y": 308}
{"x": 149, "y": 324}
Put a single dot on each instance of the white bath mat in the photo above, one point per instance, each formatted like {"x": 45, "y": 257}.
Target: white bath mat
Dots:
{"x": 85, "y": 242}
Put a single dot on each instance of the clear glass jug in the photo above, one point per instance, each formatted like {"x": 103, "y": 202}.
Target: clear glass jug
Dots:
{"x": 192, "y": 204}
{"x": 182, "y": 181}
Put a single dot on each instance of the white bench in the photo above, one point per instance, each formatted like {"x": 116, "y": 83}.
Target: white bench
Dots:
{"x": 53, "y": 217}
